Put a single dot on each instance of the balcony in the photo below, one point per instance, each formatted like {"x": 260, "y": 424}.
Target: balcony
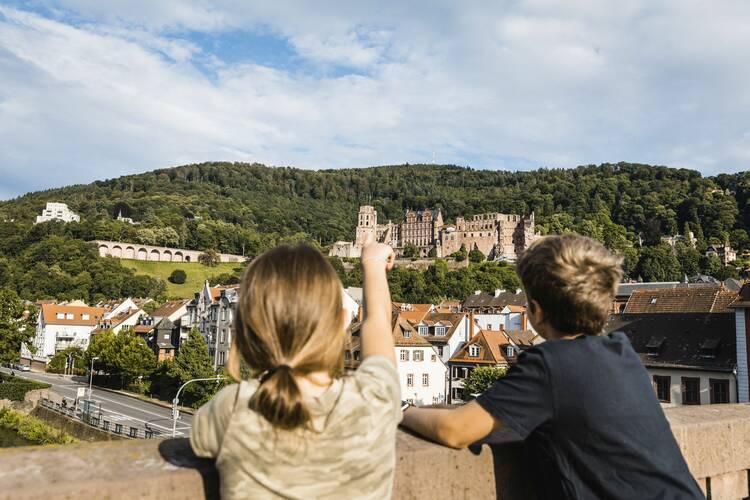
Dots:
{"x": 714, "y": 439}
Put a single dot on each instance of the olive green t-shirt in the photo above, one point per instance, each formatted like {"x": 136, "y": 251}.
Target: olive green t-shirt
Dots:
{"x": 349, "y": 451}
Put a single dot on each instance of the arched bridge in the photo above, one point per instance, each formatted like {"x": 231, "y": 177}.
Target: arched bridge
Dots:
{"x": 136, "y": 251}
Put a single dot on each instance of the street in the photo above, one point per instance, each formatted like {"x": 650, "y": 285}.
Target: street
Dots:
{"x": 115, "y": 407}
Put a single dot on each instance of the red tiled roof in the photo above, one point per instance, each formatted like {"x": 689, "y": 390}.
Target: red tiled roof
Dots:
{"x": 489, "y": 342}
{"x": 170, "y": 308}
{"x": 50, "y": 312}
{"x": 704, "y": 299}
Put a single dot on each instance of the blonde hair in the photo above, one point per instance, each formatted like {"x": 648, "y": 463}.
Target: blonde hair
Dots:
{"x": 289, "y": 322}
{"x": 573, "y": 278}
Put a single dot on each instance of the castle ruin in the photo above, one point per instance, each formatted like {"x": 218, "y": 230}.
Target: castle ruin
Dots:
{"x": 497, "y": 236}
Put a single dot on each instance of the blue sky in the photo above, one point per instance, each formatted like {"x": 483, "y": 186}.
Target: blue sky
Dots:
{"x": 92, "y": 90}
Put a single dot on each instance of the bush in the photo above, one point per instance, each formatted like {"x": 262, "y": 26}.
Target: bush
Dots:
{"x": 178, "y": 277}
{"x": 482, "y": 378}
{"x": 32, "y": 428}
{"x": 15, "y": 389}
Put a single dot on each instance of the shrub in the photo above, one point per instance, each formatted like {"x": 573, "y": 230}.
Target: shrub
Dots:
{"x": 178, "y": 277}
{"x": 15, "y": 389}
{"x": 482, "y": 378}
{"x": 32, "y": 428}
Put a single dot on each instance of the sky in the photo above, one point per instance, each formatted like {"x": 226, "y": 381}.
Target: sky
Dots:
{"x": 94, "y": 90}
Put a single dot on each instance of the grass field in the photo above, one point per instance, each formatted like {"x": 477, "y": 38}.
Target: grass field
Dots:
{"x": 197, "y": 274}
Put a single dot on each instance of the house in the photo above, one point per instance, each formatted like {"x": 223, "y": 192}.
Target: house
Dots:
{"x": 510, "y": 317}
{"x": 725, "y": 253}
{"x": 490, "y": 348}
{"x": 690, "y": 357}
{"x": 60, "y": 327}
{"x": 174, "y": 311}
{"x": 447, "y": 332}
{"x": 212, "y": 311}
{"x": 693, "y": 299}
{"x": 161, "y": 342}
{"x": 57, "y": 211}
{"x": 741, "y": 308}
{"x": 449, "y": 306}
{"x": 422, "y": 373}
{"x": 625, "y": 290}
{"x": 493, "y": 303}
{"x": 119, "y": 316}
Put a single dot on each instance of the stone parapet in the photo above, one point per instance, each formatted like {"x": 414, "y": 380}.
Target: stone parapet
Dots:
{"x": 714, "y": 439}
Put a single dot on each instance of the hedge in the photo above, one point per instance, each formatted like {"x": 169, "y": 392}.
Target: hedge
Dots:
{"x": 32, "y": 428}
{"x": 15, "y": 388}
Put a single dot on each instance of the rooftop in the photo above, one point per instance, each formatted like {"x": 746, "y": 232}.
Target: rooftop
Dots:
{"x": 700, "y": 299}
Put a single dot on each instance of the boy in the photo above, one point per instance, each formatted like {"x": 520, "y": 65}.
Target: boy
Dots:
{"x": 583, "y": 402}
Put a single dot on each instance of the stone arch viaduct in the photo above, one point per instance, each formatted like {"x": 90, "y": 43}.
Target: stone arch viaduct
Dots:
{"x": 136, "y": 251}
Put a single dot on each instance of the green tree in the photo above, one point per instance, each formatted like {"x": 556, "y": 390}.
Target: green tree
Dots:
{"x": 124, "y": 355}
{"x": 178, "y": 277}
{"x": 688, "y": 257}
{"x": 411, "y": 251}
{"x": 209, "y": 258}
{"x": 432, "y": 253}
{"x": 476, "y": 255}
{"x": 193, "y": 361}
{"x": 460, "y": 255}
{"x": 480, "y": 379}
{"x": 658, "y": 263}
{"x": 16, "y": 326}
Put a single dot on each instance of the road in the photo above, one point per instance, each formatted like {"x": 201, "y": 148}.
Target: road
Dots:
{"x": 115, "y": 407}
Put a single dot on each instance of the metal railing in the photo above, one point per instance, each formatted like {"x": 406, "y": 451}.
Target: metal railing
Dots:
{"x": 99, "y": 422}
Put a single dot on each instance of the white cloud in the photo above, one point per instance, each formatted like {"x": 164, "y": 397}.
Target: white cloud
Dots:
{"x": 535, "y": 83}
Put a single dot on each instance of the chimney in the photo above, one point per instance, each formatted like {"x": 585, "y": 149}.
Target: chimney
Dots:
{"x": 498, "y": 291}
{"x": 518, "y": 290}
{"x": 360, "y": 313}
{"x": 477, "y": 292}
{"x": 471, "y": 325}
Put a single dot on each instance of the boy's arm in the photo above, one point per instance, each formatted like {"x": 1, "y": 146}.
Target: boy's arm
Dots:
{"x": 457, "y": 428}
{"x": 376, "y": 336}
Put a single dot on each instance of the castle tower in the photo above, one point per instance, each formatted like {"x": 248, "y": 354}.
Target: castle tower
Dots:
{"x": 367, "y": 225}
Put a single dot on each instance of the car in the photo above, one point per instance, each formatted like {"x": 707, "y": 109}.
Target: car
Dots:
{"x": 22, "y": 368}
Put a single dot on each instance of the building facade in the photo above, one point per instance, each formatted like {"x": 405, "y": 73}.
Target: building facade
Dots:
{"x": 212, "y": 312}
{"x": 60, "y": 327}
{"x": 57, "y": 211}
{"x": 497, "y": 236}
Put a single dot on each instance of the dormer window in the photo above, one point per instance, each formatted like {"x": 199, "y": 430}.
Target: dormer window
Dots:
{"x": 653, "y": 301}
{"x": 69, "y": 316}
{"x": 440, "y": 331}
{"x": 423, "y": 330}
{"x": 60, "y": 315}
{"x": 654, "y": 346}
{"x": 474, "y": 351}
{"x": 510, "y": 351}
{"x": 407, "y": 334}
{"x": 85, "y": 317}
{"x": 708, "y": 348}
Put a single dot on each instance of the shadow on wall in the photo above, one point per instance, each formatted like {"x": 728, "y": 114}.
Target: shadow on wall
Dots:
{"x": 177, "y": 452}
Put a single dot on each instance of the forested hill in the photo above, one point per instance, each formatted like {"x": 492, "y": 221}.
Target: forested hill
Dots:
{"x": 234, "y": 207}
{"x": 646, "y": 200}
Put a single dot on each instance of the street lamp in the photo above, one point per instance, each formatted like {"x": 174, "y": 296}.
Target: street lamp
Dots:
{"x": 176, "y": 400}
{"x": 91, "y": 375}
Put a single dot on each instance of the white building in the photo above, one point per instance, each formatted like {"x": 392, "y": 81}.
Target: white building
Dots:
{"x": 121, "y": 315}
{"x": 447, "y": 332}
{"x": 57, "y": 211}
{"x": 510, "y": 317}
{"x": 60, "y": 327}
{"x": 690, "y": 357}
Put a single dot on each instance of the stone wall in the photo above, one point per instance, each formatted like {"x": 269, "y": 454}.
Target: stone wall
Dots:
{"x": 714, "y": 439}
{"x": 135, "y": 251}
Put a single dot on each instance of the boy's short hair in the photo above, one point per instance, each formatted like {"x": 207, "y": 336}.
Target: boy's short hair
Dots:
{"x": 573, "y": 278}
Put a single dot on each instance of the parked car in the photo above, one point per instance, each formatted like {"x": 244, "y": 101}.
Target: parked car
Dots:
{"x": 22, "y": 368}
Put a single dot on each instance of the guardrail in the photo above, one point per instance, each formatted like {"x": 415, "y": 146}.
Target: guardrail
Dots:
{"x": 99, "y": 422}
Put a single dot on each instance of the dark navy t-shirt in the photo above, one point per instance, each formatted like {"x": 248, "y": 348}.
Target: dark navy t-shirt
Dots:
{"x": 588, "y": 413}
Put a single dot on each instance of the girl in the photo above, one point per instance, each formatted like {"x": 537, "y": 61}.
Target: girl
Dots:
{"x": 301, "y": 427}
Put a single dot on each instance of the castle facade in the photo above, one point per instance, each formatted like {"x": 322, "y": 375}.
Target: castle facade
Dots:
{"x": 497, "y": 236}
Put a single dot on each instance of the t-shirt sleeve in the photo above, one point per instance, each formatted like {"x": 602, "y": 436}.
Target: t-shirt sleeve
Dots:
{"x": 210, "y": 422}
{"x": 522, "y": 399}
{"x": 377, "y": 381}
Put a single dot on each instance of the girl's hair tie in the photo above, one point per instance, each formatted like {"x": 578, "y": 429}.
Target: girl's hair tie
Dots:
{"x": 271, "y": 371}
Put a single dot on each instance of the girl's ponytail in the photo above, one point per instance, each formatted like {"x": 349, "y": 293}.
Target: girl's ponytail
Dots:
{"x": 279, "y": 399}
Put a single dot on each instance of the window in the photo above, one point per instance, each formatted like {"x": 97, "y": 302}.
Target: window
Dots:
{"x": 440, "y": 350}
{"x": 456, "y": 393}
{"x": 404, "y": 355}
{"x": 221, "y": 357}
{"x": 474, "y": 350}
{"x": 60, "y": 316}
{"x": 433, "y": 358}
{"x": 653, "y": 301}
{"x": 69, "y": 316}
{"x": 418, "y": 355}
{"x": 691, "y": 391}
{"x": 356, "y": 355}
{"x": 663, "y": 388}
{"x": 510, "y": 351}
{"x": 407, "y": 334}
{"x": 409, "y": 380}
{"x": 440, "y": 331}
{"x": 423, "y": 330}
{"x": 425, "y": 380}
{"x": 223, "y": 335}
{"x": 719, "y": 391}
{"x": 85, "y": 317}
{"x": 347, "y": 355}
